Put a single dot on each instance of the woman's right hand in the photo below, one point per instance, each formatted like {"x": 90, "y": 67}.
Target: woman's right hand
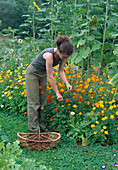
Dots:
{"x": 59, "y": 97}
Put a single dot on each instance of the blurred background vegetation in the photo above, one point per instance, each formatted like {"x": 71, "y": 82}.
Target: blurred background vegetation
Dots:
{"x": 91, "y": 25}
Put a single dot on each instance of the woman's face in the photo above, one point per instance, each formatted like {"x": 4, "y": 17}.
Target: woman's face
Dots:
{"x": 62, "y": 56}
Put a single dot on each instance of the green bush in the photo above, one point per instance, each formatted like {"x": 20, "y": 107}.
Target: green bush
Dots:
{"x": 9, "y": 158}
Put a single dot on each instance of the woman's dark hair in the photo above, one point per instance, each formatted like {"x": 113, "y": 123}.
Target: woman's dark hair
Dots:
{"x": 64, "y": 45}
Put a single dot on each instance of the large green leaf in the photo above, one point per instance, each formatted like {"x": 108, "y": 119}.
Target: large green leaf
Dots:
{"x": 91, "y": 38}
{"x": 84, "y": 52}
{"x": 81, "y": 42}
{"x": 113, "y": 34}
{"x": 96, "y": 47}
{"x": 78, "y": 59}
{"x": 114, "y": 80}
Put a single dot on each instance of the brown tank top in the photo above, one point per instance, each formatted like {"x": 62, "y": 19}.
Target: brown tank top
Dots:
{"x": 40, "y": 63}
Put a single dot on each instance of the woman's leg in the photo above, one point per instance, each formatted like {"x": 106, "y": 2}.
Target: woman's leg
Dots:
{"x": 43, "y": 100}
{"x": 33, "y": 100}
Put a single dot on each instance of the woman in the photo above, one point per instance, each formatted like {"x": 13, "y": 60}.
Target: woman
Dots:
{"x": 36, "y": 80}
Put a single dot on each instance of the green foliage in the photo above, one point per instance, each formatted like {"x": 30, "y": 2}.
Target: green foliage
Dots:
{"x": 9, "y": 158}
{"x": 114, "y": 80}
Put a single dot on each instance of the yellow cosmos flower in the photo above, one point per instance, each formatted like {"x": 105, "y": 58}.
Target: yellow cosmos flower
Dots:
{"x": 74, "y": 106}
{"x": 101, "y": 105}
{"x": 24, "y": 71}
{"x": 61, "y": 90}
{"x": 97, "y": 122}
{"x": 106, "y": 117}
{"x": 106, "y": 132}
{"x": 62, "y": 105}
{"x": 103, "y": 119}
{"x": 95, "y": 132}
{"x": 86, "y": 86}
{"x": 88, "y": 79}
{"x": 102, "y": 111}
{"x": 22, "y": 93}
{"x": 102, "y": 130}
{"x": 94, "y": 108}
{"x": 1, "y": 81}
{"x": 111, "y": 107}
{"x": 104, "y": 127}
{"x": 116, "y": 113}
{"x": 112, "y": 92}
{"x": 10, "y": 98}
{"x": 114, "y": 106}
{"x": 92, "y": 125}
{"x": 112, "y": 117}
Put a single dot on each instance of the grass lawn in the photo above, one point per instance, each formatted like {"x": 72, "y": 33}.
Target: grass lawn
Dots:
{"x": 67, "y": 155}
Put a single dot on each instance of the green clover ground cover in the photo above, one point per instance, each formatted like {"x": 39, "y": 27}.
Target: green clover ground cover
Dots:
{"x": 67, "y": 155}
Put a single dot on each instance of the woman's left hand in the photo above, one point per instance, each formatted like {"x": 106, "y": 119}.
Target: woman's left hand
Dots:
{"x": 69, "y": 87}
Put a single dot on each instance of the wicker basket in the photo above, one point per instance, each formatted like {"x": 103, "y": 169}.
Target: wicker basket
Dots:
{"x": 41, "y": 141}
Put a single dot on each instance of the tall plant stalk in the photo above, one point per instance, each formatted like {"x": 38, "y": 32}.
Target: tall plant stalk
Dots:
{"x": 33, "y": 25}
{"x": 104, "y": 33}
{"x": 86, "y": 35}
{"x": 52, "y": 4}
{"x": 74, "y": 22}
{"x": 85, "y": 45}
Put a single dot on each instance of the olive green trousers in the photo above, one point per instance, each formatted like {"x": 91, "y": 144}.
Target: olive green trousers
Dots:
{"x": 36, "y": 87}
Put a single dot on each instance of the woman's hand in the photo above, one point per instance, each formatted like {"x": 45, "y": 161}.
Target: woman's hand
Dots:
{"x": 59, "y": 97}
{"x": 69, "y": 87}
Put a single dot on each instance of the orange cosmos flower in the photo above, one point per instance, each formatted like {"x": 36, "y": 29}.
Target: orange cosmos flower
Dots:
{"x": 56, "y": 109}
{"x": 48, "y": 101}
{"x": 66, "y": 100}
{"x": 40, "y": 87}
{"x": 51, "y": 119}
{"x": 92, "y": 66}
{"x": 78, "y": 90}
{"x": 87, "y": 102}
{"x": 82, "y": 91}
{"x": 72, "y": 91}
{"x": 80, "y": 113}
{"x": 104, "y": 74}
{"x": 98, "y": 113}
{"x": 7, "y": 76}
{"x": 25, "y": 113}
{"x": 81, "y": 99}
{"x": 42, "y": 92}
{"x": 76, "y": 99}
{"x": 48, "y": 96}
